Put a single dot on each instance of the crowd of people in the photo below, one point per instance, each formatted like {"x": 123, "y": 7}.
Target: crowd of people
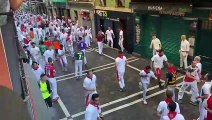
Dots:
{"x": 48, "y": 39}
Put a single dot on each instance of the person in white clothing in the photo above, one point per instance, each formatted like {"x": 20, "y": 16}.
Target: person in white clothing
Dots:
{"x": 156, "y": 44}
{"x": 93, "y": 111}
{"x": 100, "y": 38}
{"x": 70, "y": 43}
{"x": 63, "y": 38}
{"x": 49, "y": 53}
{"x": 145, "y": 75}
{"x": 109, "y": 36}
{"x": 204, "y": 94}
{"x": 35, "y": 52}
{"x": 184, "y": 49}
{"x": 62, "y": 58}
{"x": 157, "y": 63}
{"x": 172, "y": 114}
{"x": 162, "y": 109}
{"x": 87, "y": 37}
{"x": 121, "y": 39}
{"x": 199, "y": 65}
{"x": 37, "y": 70}
{"x": 89, "y": 85}
{"x": 40, "y": 33}
{"x": 121, "y": 62}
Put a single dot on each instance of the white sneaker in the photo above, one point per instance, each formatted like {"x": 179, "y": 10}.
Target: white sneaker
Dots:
{"x": 145, "y": 102}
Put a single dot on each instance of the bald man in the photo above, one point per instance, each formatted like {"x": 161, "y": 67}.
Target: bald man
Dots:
{"x": 184, "y": 49}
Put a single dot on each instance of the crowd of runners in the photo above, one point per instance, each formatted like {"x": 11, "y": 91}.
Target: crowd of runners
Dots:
{"x": 47, "y": 40}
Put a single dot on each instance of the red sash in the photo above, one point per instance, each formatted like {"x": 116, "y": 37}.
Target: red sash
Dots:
{"x": 94, "y": 104}
{"x": 168, "y": 100}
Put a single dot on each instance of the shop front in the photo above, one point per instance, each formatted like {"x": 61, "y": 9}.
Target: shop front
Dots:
{"x": 116, "y": 20}
{"x": 168, "y": 22}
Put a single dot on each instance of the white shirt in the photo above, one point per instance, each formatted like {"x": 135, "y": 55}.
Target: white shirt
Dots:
{"x": 121, "y": 64}
{"x": 61, "y": 52}
{"x": 156, "y": 44}
{"x": 177, "y": 117}
{"x": 38, "y": 72}
{"x": 48, "y": 53}
{"x": 158, "y": 61}
{"x": 199, "y": 65}
{"x": 91, "y": 112}
{"x": 163, "y": 108}
{"x": 39, "y": 31}
{"x": 89, "y": 84}
{"x": 109, "y": 34}
{"x": 121, "y": 35}
{"x": 205, "y": 90}
{"x": 185, "y": 45}
{"x": 35, "y": 52}
{"x": 63, "y": 36}
{"x": 148, "y": 76}
{"x": 87, "y": 32}
{"x": 80, "y": 33}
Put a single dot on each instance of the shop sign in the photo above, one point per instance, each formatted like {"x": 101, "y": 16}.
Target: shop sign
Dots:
{"x": 113, "y": 19}
{"x": 102, "y": 13}
{"x": 154, "y": 8}
{"x": 137, "y": 33}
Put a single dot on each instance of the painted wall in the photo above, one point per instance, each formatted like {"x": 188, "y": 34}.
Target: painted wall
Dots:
{"x": 112, "y": 3}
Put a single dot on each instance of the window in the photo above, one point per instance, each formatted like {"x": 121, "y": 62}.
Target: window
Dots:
{"x": 102, "y": 3}
{"x": 120, "y": 3}
{"x": 207, "y": 25}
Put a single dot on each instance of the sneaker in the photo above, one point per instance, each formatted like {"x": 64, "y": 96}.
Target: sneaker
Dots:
{"x": 180, "y": 101}
{"x": 145, "y": 102}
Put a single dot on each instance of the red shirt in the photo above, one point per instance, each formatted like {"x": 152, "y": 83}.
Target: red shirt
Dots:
{"x": 50, "y": 70}
{"x": 100, "y": 38}
{"x": 209, "y": 102}
{"x": 47, "y": 43}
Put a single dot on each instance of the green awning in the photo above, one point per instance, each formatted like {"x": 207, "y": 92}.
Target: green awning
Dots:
{"x": 62, "y": 1}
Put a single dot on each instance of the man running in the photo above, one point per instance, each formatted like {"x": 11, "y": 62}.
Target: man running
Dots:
{"x": 35, "y": 52}
{"x": 146, "y": 75}
{"x": 121, "y": 62}
{"x": 121, "y": 39}
{"x": 79, "y": 55}
{"x": 89, "y": 85}
{"x": 62, "y": 58}
{"x": 49, "y": 53}
{"x": 82, "y": 46}
{"x": 109, "y": 36}
{"x": 157, "y": 63}
{"x": 50, "y": 72}
{"x": 37, "y": 70}
{"x": 100, "y": 38}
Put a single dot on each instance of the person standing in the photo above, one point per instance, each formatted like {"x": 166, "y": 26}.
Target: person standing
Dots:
{"x": 121, "y": 39}
{"x": 156, "y": 44}
{"x": 93, "y": 110}
{"x": 208, "y": 106}
{"x": 162, "y": 109}
{"x": 50, "y": 72}
{"x": 70, "y": 44}
{"x": 89, "y": 85}
{"x": 62, "y": 58}
{"x": 204, "y": 94}
{"x": 109, "y": 36}
{"x": 146, "y": 74}
{"x": 121, "y": 62}
{"x": 171, "y": 78}
{"x": 100, "y": 38}
{"x": 157, "y": 62}
{"x": 79, "y": 55}
{"x": 87, "y": 37}
{"x": 45, "y": 89}
{"x": 184, "y": 49}
{"x": 37, "y": 70}
{"x": 49, "y": 53}
{"x": 172, "y": 114}
{"x": 82, "y": 46}
{"x": 199, "y": 65}
{"x": 189, "y": 81}
{"x": 35, "y": 52}
{"x": 63, "y": 38}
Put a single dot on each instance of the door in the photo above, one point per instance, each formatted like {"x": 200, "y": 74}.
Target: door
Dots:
{"x": 102, "y": 25}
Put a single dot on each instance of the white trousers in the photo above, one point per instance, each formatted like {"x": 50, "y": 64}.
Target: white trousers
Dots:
{"x": 120, "y": 77}
{"x": 100, "y": 47}
{"x": 71, "y": 49}
{"x": 85, "y": 60}
{"x": 172, "y": 89}
{"x": 110, "y": 41}
{"x": 78, "y": 68}
{"x": 202, "y": 110}
{"x": 183, "y": 59}
{"x": 121, "y": 45}
{"x": 194, "y": 89}
{"x": 87, "y": 41}
{"x": 53, "y": 83}
{"x": 63, "y": 62}
{"x": 144, "y": 86}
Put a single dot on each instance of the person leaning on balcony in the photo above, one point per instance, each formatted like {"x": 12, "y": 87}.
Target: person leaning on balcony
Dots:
{"x": 184, "y": 49}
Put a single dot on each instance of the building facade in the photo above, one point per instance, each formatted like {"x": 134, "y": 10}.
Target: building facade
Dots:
{"x": 169, "y": 20}
{"x": 116, "y": 14}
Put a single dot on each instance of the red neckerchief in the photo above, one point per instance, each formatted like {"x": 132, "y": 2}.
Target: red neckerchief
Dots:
{"x": 172, "y": 69}
{"x": 35, "y": 68}
{"x": 160, "y": 55}
{"x": 145, "y": 70}
{"x": 172, "y": 115}
{"x": 94, "y": 104}
{"x": 120, "y": 56}
{"x": 168, "y": 100}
